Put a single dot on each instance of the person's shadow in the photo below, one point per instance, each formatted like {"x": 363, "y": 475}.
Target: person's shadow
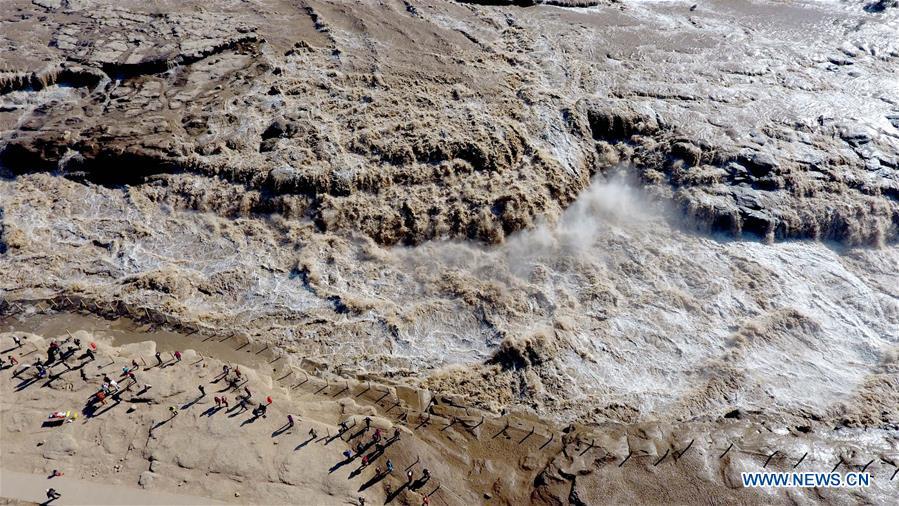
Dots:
{"x": 240, "y": 410}
{"x": 54, "y": 377}
{"x": 281, "y": 430}
{"x": 211, "y": 411}
{"x": 48, "y": 501}
{"x": 304, "y": 443}
{"x": 191, "y": 403}
{"x": 396, "y": 492}
{"x": 375, "y": 455}
{"x": 95, "y": 413}
{"x": 27, "y": 383}
{"x": 417, "y": 484}
{"x": 357, "y": 471}
{"x": 340, "y": 464}
{"x": 375, "y": 479}
{"x": 161, "y": 423}
{"x": 357, "y": 434}
{"x": 332, "y": 438}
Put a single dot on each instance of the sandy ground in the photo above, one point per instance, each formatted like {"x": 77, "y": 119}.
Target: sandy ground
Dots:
{"x": 33, "y": 487}
{"x": 207, "y": 455}
{"x": 116, "y": 439}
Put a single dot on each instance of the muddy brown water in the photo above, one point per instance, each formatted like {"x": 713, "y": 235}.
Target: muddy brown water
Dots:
{"x": 124, "y": 331}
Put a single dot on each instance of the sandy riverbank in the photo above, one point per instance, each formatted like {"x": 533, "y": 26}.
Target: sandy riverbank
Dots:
{"x": 27, "y": 487}
{"x": 214, "y": 456}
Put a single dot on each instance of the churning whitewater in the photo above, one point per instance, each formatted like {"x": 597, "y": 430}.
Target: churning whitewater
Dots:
{"x": 619, "y": 309}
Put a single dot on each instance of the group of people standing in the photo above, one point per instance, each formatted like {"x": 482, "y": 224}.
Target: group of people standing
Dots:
{"x": 60, "y": 352}
{"x": 55, "y": 355}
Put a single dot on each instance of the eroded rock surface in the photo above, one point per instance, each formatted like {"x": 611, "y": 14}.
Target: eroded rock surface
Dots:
{"x": 440, "y": 119}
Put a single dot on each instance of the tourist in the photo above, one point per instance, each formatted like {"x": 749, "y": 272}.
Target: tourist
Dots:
{"x": 52, "y": 495}
{"x": 177, "y": 356}
{"x": 174, "y": 411}
{"x": 158, "y": 358}
{"x": 202, "y": 390}
{"x": 52, "y": 351}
